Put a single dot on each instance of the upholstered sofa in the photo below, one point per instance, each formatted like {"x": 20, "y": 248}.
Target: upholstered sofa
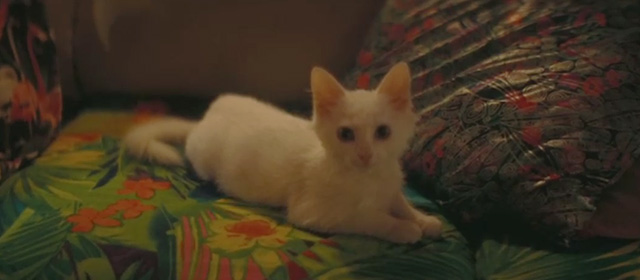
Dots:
{"x": 519, "y": 150}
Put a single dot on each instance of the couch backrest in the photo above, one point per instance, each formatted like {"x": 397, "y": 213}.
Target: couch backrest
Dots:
{"x": 264, "y": 48}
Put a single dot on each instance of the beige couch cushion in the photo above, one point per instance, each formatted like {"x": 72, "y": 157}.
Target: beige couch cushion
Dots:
{"x": 264, "y": 48}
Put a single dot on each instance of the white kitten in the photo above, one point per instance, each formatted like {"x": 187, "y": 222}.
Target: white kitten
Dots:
{"x": 338, "y": 173}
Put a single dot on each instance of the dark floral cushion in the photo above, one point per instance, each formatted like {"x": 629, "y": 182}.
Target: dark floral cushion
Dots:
{"x": 30, "y": 96}
{"x": 529, "y": 106}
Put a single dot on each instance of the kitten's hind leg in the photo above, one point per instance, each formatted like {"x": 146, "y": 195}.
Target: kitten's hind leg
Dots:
{"x": 430, "y": 225}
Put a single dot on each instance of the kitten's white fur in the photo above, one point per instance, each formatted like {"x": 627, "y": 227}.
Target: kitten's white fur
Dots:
{"x": 259, "y": 153}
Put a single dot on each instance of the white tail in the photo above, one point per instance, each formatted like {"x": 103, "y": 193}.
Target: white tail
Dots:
{"x": 152, "y": 141}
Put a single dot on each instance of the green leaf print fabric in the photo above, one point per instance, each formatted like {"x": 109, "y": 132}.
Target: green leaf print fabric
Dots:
{"x": 85, "y": 210}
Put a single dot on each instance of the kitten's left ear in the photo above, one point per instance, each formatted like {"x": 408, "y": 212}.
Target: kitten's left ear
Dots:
{"x": 396, "y": 85}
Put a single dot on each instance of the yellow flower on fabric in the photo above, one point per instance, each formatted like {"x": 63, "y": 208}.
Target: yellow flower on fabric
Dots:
{"x": 233, "y": 236}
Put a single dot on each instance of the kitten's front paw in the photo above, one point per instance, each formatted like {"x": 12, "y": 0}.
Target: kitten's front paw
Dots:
{"x": 430, "y": 226}
{"x": 405, "y": 232}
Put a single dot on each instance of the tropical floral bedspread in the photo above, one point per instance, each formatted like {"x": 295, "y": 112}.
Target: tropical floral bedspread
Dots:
{"x": 85, "y": 210}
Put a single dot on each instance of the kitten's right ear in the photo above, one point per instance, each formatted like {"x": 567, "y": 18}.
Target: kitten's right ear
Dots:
{"x": 396, "y": 85}
{"x": 326, "y": 90}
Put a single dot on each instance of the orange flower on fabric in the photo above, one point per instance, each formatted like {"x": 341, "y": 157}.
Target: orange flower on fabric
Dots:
{"x": 144, "y": 188}
{"x": 132, "y": 208}
{"x": 87, "y": 218}
{"x": 235, "y": 236}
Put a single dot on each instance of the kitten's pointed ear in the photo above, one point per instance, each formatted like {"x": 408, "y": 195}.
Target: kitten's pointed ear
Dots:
{"x": 326, "y": 90}
{"x": 396, "y": 85}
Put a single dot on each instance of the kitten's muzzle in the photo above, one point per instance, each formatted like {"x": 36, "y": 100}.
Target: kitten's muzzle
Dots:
{"x": 365, "y": 158}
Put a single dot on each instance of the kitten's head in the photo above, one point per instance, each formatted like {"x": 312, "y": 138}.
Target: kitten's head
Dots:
{"x": 362, "y": 127}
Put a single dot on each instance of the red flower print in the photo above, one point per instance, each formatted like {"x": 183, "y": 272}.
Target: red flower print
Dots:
{"x": 132, "y": 208}
{"x": 601, "y": 19}
{"x": 87, "y": 218}
{"x": 144, "y": 188}
{"x": 518, "y": 100}
{"x": 568, "y": 47}
{"x": 364, "y": 80}
{"x": 438, "y": 147}
{"x": 396, "y": 32}
{"x": 532, "y": 135}
{"x": 614, "y": 78}
{"x": 429, "y": 163}
{"x": 412, "y": 34}
{"x": 524, "y": 170}
{"x": 570, "y": 80}
{"x": 593, "y": 86}
{"x": 437, "y": 79}
{"x": 428, "y": 24}
{"x": 565, "y": 104}
{"x": 365, "y": 58}
{"x": 251, "y": 228}
{"x": 544, "y": 26}
{"x": 582, "y": 17}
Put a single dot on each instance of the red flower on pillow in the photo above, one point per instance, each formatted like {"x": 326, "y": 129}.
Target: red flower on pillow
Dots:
{"x": 364, "y": 80}
{"x": 365, "y": 58}
{"x": 544, "y": 26}
{"x": 429, "y": 163}
{"x": 614, "y": 78}
{"x": 532, "y": 135}
{"x": 395, "y": 32}
{"x": 428, "y": 24}
{"x": 570, "y": 80}
{"x": 584, "y": 14}
{"x": 593, "y": 86}
{"x": 412, "y": 34}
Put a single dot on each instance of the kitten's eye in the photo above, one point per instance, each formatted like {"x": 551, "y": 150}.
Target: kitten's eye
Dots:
{"x": 346, "y": 134}
{"x": 383, "y": 132}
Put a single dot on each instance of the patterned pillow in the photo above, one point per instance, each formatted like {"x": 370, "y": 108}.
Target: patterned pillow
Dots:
{"x": 30, "y": 96}
{"x": 530, "y": 106}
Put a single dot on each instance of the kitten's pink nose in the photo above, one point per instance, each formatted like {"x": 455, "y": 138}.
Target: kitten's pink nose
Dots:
{"x": 365, "y": 158}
